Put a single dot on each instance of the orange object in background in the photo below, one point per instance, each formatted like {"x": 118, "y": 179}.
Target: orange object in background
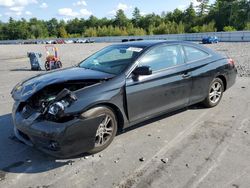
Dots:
{"x": 52, "y": 58}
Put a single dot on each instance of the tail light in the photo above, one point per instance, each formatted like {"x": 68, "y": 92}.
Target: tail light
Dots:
{"x": 231, "y": 62}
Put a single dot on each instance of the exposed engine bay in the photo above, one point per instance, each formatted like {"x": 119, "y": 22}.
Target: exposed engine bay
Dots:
{"x": 51, "y": 100}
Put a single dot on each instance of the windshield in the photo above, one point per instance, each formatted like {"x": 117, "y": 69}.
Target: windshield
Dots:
{"x": 112, "y": 59}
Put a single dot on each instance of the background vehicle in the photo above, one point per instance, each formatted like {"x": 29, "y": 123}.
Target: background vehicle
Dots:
{"x": 49, "y": 42}
{"x": 59, "y": 41}
{"x": 210, "y": 40}
{"x": 80, "y": 41}
{"x": 90, "y": 41}
{"x": 69, "y": 41}
{"x": 80, "y": 109}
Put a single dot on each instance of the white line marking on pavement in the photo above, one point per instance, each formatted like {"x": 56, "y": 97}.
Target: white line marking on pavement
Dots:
{"x": 163, "y": 150}
{"x": 216, "y": 162}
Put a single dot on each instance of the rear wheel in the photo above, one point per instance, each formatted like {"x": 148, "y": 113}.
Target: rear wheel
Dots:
{"x": 59, "y": 64}
{"x": 106, "y": 130}
{"x": 215, "y": 93}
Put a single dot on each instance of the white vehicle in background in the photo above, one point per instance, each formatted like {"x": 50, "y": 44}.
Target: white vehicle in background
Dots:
{"x": 80, "y": 41}
{"x": 49, "y": 42}
{"x": 69, "y": 41}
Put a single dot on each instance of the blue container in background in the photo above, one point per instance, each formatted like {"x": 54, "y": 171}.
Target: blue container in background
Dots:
{"x": 35, "y": 60}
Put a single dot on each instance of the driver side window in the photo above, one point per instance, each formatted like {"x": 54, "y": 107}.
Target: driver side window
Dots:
{"x": 163, "y": 57}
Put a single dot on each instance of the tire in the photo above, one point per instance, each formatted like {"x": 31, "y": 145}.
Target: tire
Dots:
{"x": 47, "y": 66}
{"x": 59, "y": 64}
{"x": 215, "y": 93}
{"x": 106, "y": 130}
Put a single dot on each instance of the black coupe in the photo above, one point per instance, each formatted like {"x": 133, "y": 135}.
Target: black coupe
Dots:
{"x": 80, "y": 109}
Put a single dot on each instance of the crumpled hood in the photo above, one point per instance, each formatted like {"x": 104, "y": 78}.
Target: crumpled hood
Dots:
{"x": 27, "y": 88}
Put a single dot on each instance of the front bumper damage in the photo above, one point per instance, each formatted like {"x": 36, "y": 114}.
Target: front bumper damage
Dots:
{"x": 57, "y": 139}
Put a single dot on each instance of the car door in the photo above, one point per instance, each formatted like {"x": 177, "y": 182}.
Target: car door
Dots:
{"x": 168, "y": 86}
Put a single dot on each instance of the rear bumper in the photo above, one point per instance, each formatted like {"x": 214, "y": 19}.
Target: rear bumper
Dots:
{"x": 231, "y": 77}
{"x": 61, "y": 140}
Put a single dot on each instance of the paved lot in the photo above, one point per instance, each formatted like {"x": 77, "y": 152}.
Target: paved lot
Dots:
{"x": 193, "y": 147}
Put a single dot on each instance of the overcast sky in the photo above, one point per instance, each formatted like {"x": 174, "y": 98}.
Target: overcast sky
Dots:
{"x": 68, "y": 9}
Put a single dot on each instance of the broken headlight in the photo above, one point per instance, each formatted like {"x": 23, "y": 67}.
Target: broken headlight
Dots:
{"x": 62, "y": 101}
{"x": 57, "y": 108}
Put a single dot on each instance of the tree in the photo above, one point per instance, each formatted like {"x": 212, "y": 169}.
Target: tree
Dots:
{"x": 222, "y": 15}
{"x": 203, "y": 7}
{"x": 62, "y": 33}
{"x": 247, "y": 27}
{"x": 136, "y": 17}
{"x": 120, "y": 19}
{"x": 229, "y": 28}
{"x": 189, "y": 17}
{"x": 176, "y": 16}
{"x": 52, "y": 26}
{"x": 92, "y": 21}
{"x": 210, "y": 27}
{"x": 38, "y": 28}
{"x": 90, "y": 32}
{"x": 225, "y": 13}
{"x": 74, "y": 26}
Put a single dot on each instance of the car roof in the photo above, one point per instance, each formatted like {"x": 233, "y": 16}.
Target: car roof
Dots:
{"x": 149, "y": 43}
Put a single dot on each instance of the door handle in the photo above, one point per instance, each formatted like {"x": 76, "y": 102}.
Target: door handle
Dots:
{"x": 186, "y": 75}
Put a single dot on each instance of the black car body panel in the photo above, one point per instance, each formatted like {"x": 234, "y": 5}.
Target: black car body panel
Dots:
{"x": 133, "y": 99}
{"x": 168, "y": 87}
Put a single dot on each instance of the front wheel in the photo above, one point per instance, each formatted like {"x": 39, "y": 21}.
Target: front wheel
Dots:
{"x": 106, "y": 130}
{"x": 47, "y": 65}
{"x": 215, "y": 93}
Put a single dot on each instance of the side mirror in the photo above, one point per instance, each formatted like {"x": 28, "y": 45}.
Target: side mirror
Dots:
{"x": 143, "y": 70}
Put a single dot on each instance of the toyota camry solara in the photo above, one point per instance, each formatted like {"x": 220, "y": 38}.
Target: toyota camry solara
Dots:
{"x": 80, "y": 109}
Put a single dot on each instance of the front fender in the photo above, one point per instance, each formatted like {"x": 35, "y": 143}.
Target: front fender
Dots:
{"x": 84, "y": 102}
{"x": 110, "y": 92}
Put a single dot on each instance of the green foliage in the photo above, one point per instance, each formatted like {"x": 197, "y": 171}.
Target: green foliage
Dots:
{"x": 136, "y": 17}
{"x": 90, "y": 32}
{"x": 62, "y": 33}
{"x": 203, "y": 7}
{"x": 229, "y": 28}
{"x": 190, "y": 17}
{"x": 169, "y": 28}
{"x": 222, "y": 15}
{"x": 120, "y": 19}
{"x": 37, "y": 28}
{"x": 52, "y": 26}
{"x": 210, "y": 27}
{"x": 113, "y": 31}
{"x": 247, "y": 27}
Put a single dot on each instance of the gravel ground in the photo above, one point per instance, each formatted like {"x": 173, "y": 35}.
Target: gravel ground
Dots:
{"x": 193, "y": 147}
{"x": 238, "y": 51}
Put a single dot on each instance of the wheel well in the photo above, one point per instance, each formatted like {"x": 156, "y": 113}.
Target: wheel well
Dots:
{"x": 118, "y": 114}
{"x": 223, "y": 80}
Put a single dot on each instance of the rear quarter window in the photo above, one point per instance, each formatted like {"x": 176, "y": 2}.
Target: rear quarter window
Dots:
{"x": 163, "y": 57}
{"x": 194, "y": 54}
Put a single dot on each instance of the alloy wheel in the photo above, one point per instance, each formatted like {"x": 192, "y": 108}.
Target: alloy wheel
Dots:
{"x": 215, "y": 92}
{"x": 104, "y": 131}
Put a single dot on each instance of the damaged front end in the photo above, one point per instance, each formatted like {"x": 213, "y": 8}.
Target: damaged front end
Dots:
{"x": 51, "y": 101}
{"x": 41, "y": 120}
